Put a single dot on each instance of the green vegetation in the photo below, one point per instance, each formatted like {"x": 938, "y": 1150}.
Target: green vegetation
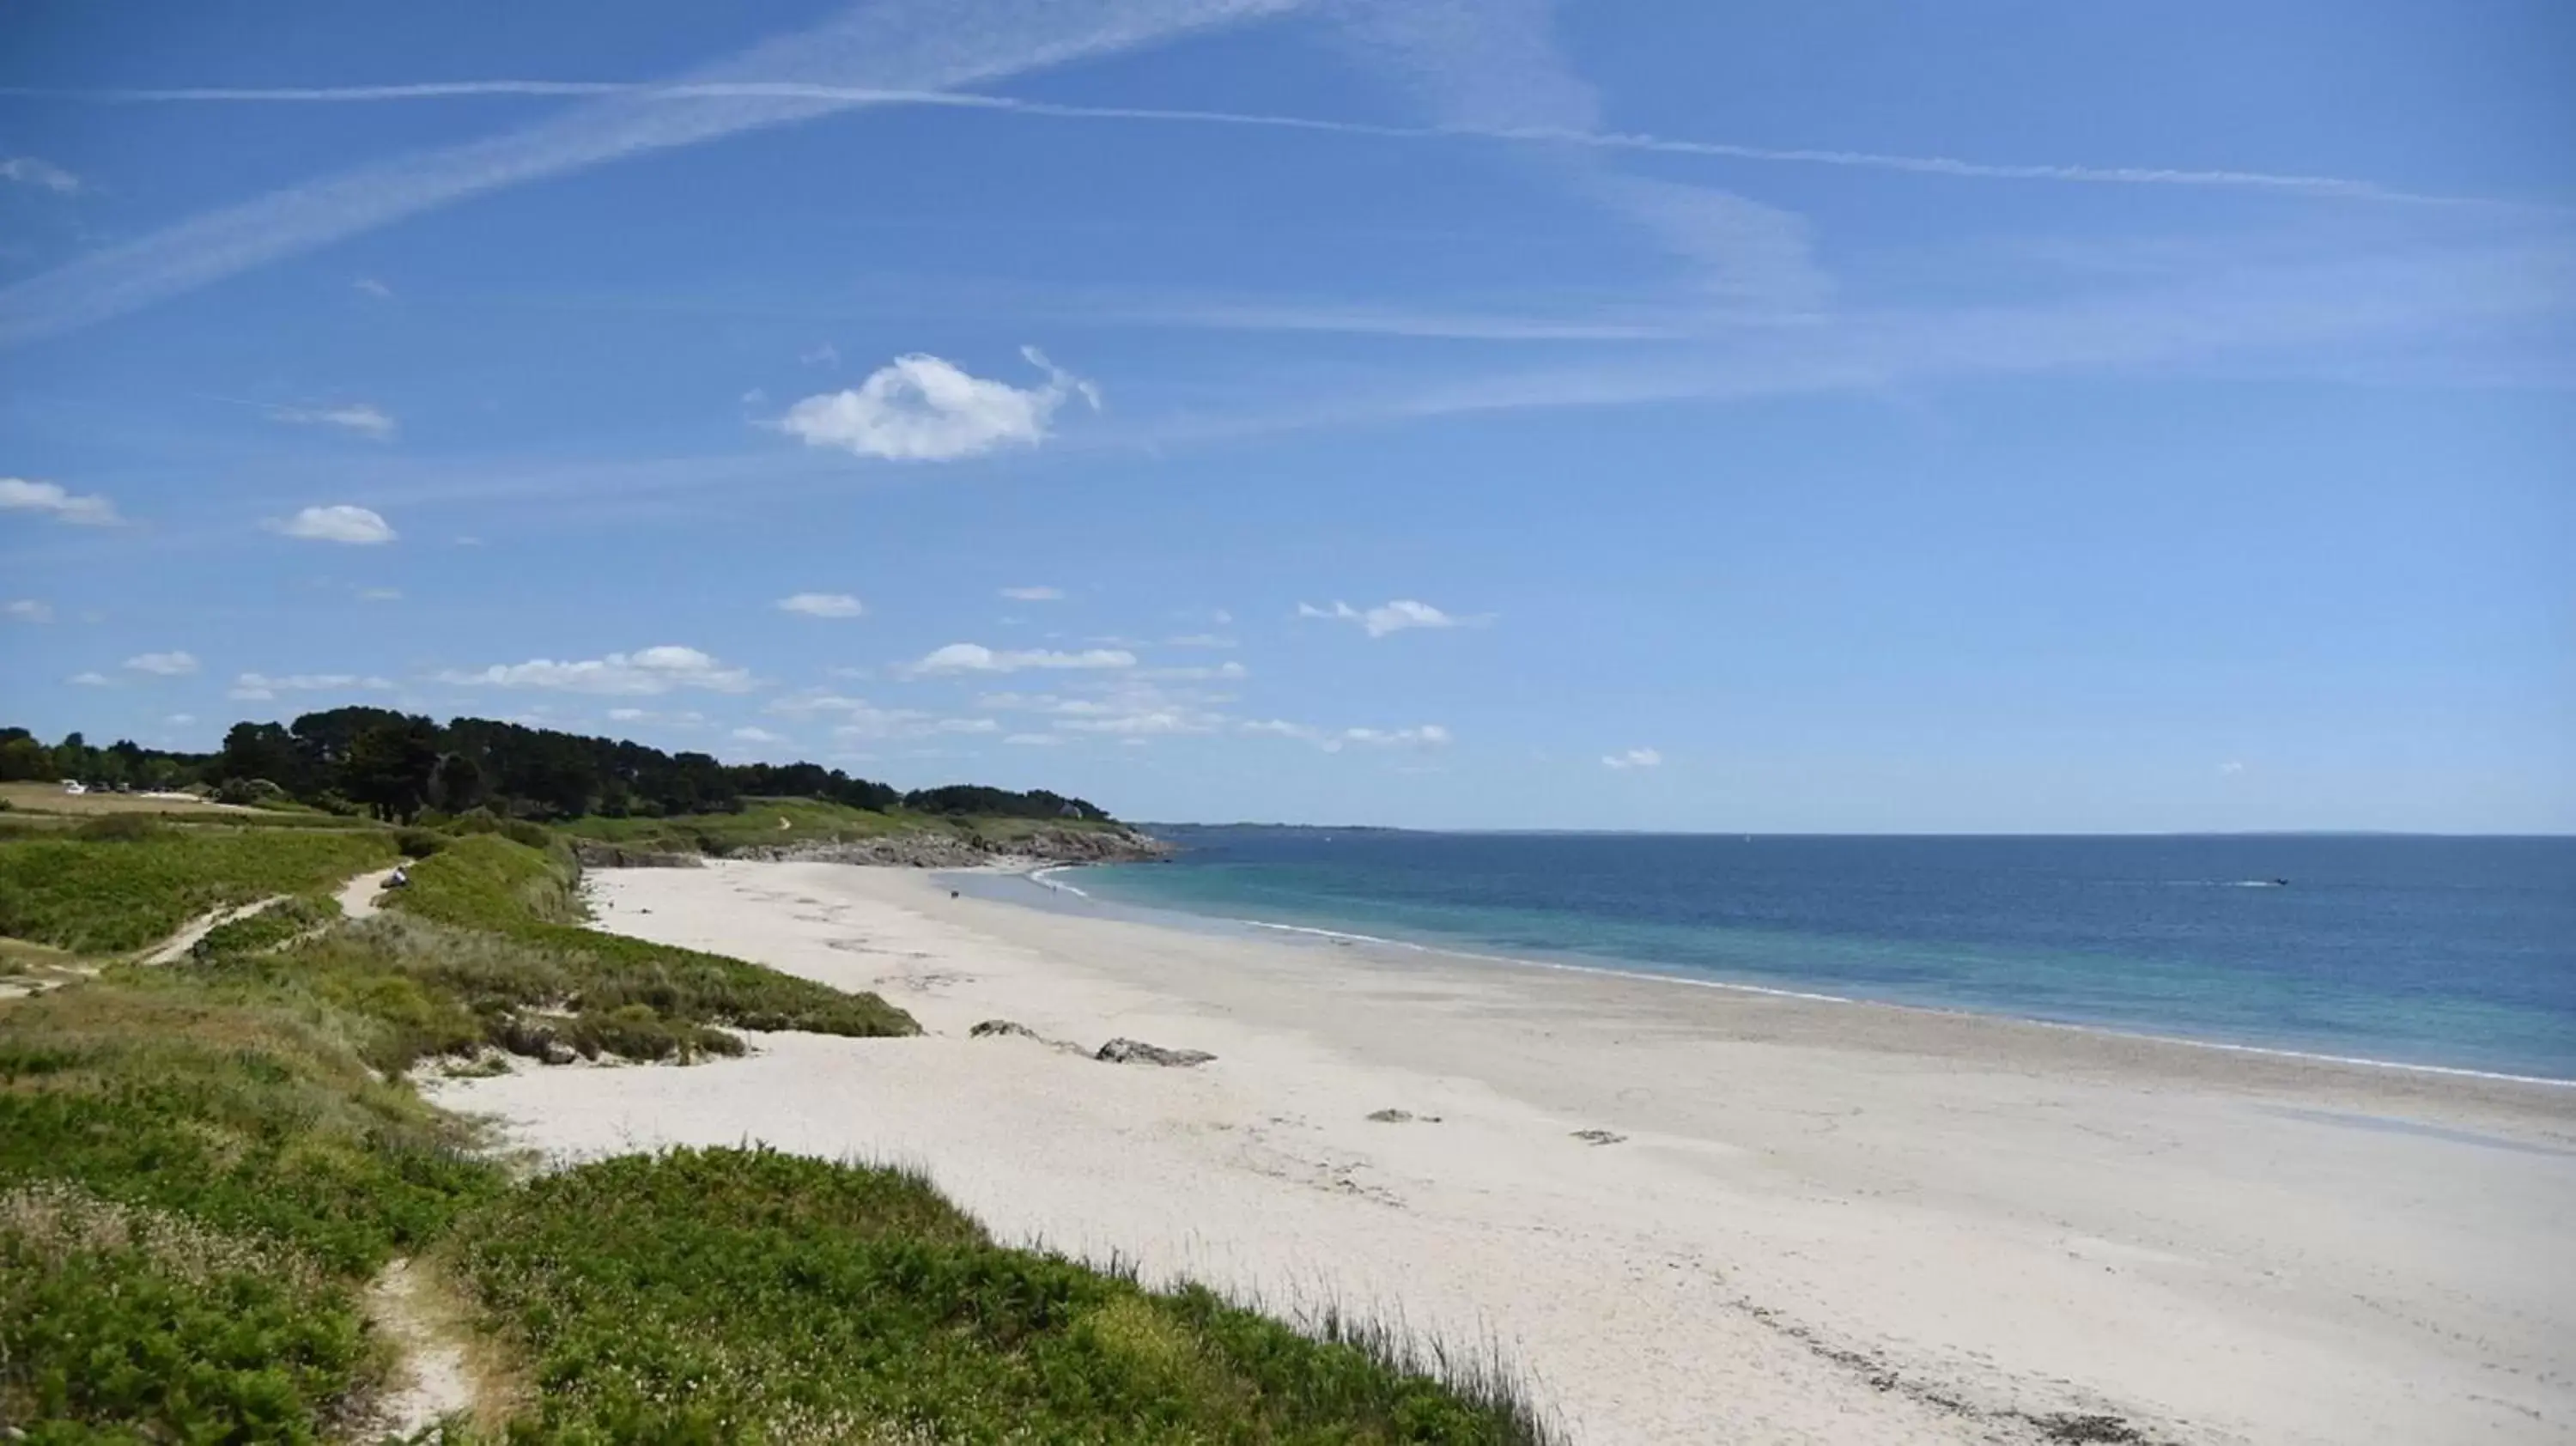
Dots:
{"x": 204, "y": 1166}
{"x": 731, "y": 1294}
{"x": 194, "y": 1187}
{"x": 270, "y": 928}
{"x": 106, "y": 895}
{"x": 609, "y": 982}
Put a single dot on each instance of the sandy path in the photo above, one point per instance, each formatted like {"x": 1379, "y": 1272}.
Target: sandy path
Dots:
{"x": 360, "y": 897}
{"x": 176, "y": 947}
{"x": 1824, "y": 1223}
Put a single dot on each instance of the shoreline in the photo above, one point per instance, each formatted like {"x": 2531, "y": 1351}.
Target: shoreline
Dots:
{"x": 1037, "y": 872}
{"x": 1688, "y": 1214}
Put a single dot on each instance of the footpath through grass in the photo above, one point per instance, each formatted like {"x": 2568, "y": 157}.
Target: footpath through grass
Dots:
{"x": 118, "y": 884}
{"x": 203, "y": 1165}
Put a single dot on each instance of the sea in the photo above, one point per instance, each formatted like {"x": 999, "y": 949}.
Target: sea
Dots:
{"x": 2441, "y": 952}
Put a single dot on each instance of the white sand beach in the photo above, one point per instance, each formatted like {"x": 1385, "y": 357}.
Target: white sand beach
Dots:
{"x": 1816, "y": 1222}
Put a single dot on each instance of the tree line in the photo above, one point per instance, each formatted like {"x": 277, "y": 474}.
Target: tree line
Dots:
{"x": 396, "y": 765}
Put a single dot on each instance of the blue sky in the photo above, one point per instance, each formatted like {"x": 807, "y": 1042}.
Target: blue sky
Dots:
{"x": 1634, "y": 415}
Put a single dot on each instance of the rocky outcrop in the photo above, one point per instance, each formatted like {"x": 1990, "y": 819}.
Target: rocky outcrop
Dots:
{"x": 596, "y": 855}
{"x": 1137, "y": 1051}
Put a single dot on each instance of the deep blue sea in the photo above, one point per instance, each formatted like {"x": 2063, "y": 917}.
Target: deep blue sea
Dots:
{"x": 2457, "y": 952}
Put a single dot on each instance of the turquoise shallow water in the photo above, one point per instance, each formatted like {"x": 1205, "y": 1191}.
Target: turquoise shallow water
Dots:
{"x": 2451, "y": 952}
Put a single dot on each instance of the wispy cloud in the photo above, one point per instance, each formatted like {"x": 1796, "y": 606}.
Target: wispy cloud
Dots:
{"x": 908, "y": 45}
{"x": 976, "y": 658}
{"x": 1034, "y": 594}
{"x": 647, "y": 671}
{"x": 51, "y": 499}
{"x": 1633, "y": 758}
{"x": 91, "y": 680}
{"x": 364, "y": 418}
{"x": 1557, "y": 136}
{"x": 1427, "y": 735}
{"x": 823, "y": 605}
{"x": 28, "y": 610}
{"x": 370, "y": 286}
{"x": 357, "y": 526}
{"x": 1392, "y": 617}
{"x": 825, "y": 354}
{"x": 29, "y": 171}
{"x": 255, "y": 687}
{"x": 859, "y": 720}
{"x": 163, "y": 665}
{"x": 922, "y": 408}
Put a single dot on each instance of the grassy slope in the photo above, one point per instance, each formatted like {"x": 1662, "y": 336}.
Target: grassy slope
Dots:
{"x": 104, "y": 897}
{"x": 202, "y": 1165}
{"x": 499, "y": 888}
{"x": 725, "y": 1294}
{"x": 806, "y": 821}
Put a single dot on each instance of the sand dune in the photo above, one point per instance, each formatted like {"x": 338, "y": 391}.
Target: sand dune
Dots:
{"x": 1793, "y": 1221}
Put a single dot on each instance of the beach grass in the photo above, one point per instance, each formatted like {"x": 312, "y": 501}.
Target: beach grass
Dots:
{"x": 745, "y": 1294}
{"x": 506, "y": 891}
{"x": 118, "y": 883}
{"x": 194, "y": 1190}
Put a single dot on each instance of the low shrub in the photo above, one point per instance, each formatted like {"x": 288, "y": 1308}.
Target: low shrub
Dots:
{"x": 419, "y": 843}
{"x": 745, "y": 1294}
{"x": 268, "y": 929}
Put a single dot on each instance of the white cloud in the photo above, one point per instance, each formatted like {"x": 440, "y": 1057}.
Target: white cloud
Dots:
{"x": 92, "y": 680}
{"x": 17, "y": 494}
{"x": 756, "y": 735}
{"x": 364, "y": 418}
{"x": 822, "y": 605}
{"x": 28, "y": 171}
{"x": 1391, "y": 617}
{"x": 180, "y": 719}
{"x": 824, "y": 354}
{"x": 1034, "y": 740}
{"x": 1033, "y": 594}
{"x": 626, "y": 715}
{"x": 1199, "y": 640}
{"x": 1223, "y": 672}
{"x": 28, "y": 610}
{"x": 976, "y": 658}
{"x": 255, "y": 686}
{"x": 163, "y": 665}
{"x": 1633, "y": 758}
{"x": 920, "y": 408}
{"x": 1428, "y": 735}
{"x": 357, "y": 526}
{"x": 372, "y": 287}
{"x": 644, "y": 672}
{"x": 2231, "y": 767}
{"x": 380, "y": 594}
{"x": 862, "y": 720}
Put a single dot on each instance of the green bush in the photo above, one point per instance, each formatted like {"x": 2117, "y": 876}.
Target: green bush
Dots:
{"x": 418, "y": 843}
{"x": 749, "y": 1295}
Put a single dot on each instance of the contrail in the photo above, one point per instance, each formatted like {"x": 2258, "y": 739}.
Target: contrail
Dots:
{"x": 843, "y": 95}
{"x": 902, "y": 45}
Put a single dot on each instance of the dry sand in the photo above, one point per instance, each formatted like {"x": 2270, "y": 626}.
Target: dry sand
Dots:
{"x": 1822, "y": 1223}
